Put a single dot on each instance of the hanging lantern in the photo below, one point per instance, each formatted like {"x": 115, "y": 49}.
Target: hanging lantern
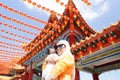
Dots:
{"x": 0, "y": 4}
{"x": 0, "y": 23}
{"x": 89, "y": 49}
{"x": 42, "y": 45}
{"x": 66, "y": 6}
{"x": 56, "y": 34}
{"x": 74, "y": 16}
{"x": 100, "y": 44}
{"x": 88, "y": 3}
{"x": 86, "y": 32}
{"x": 10, "y": 9}
{"x": 4, "y": 17}
{"x": 24, "y": 0}
{"x": 39, "y": 6}
{"x": 47, "y": 9}
{"x": 28, "y": 16}
{"x": 111, "y": 39}
{"x": 39, "y": 47}
{"x": 5, "y": 24}
{"x": 80, "y": 54}
{"x": 57, "y": 1}
{"x": 51, "y": 11}
{"x": 15, "y": 11}
{"x": 82, "y": 27}
{"x": 29, "y": 1}
{"x": 46, "y": 42}
{"x": 73, "y": 9}
{"x": 5, "y": 7}
{"x": 32, "y": 17}
{"x": 61, "y": 3}
{"x": 49, "y": 40}
{"x": 63, "y": 26}
{"x": 34, "y": 4}
{"x": 52, "y": 37}
{"x": 59, "y": 30}
{"x": 78, "y": 22}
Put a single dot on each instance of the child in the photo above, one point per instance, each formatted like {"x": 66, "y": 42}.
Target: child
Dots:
{"x": 50, "y": 61}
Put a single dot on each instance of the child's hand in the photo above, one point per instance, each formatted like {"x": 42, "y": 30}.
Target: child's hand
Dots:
{"x": 48, "y": 59}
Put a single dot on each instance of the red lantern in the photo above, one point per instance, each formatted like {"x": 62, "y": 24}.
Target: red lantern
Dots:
{"x": 82, "y": 27}
{"x": 9, "y": 18}
{"x": 78, "y": 22}
{"x": 61, "y": 3}
{"x": 0, "y": 4}
{"x": 0, "y": 23}
{"x": 15, "y": 11}
{"x": 34, "y": 4}
{"x": 88, "y": 3}
{"x": 47, "y": 9}
{"x": 4, "y": 6}
{"x": 80, "y": 54}
{"x": 24, "y": 0}
{"x": 75, "y": 16}
{"x": 29, "y": 1}
{"x": 86, "y": 31}
{"x": 111, "y": 39}
{"x": 100, "y": 44}
{"x": 38, "y": 6}
{"x": 10, "y": 9}
{"x": 57, "y": 1}
{"x": 89, "y": 49}
{"x": 5, "y": 24}
{"x": 4, "y": 17}
{"x": 43, "y": 8}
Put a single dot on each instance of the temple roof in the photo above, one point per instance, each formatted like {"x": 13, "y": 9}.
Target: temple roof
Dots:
{"x": 103, "y": 39}
{"x": 56, "y": 27}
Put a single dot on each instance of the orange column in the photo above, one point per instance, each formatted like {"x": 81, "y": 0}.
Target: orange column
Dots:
{"x": 95, "y": 76}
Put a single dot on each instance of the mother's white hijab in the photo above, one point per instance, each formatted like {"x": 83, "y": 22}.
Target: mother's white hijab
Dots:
{"x": 67, "y": 51}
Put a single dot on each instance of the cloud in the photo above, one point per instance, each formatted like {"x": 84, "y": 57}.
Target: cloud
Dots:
{"x": 98, "y": 7}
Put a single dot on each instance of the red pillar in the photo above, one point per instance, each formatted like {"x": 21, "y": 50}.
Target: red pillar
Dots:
{"x": 71, "y": 39}
{"x": 26, "y": 74}
{"x": 31, "y": 72}
{"x": 77, "y": 76}
{"x": 95, "y": 76}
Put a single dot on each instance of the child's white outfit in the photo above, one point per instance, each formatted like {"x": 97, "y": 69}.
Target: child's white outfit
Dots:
{"x": 49, "y": 65}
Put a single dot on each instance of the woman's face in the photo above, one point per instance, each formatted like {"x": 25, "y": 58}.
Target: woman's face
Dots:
{"x": 60, "y": 48}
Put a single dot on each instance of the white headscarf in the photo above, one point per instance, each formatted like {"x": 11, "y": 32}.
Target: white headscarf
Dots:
{"x": 67, "y": 51}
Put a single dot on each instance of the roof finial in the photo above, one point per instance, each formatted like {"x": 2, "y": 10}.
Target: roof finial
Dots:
{"x": 70, "y": 2}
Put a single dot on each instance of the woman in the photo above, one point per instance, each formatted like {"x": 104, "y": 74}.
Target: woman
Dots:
{"x": 64, "y": 69}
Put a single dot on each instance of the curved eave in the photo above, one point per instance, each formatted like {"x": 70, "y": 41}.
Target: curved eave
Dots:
{"x": 111, "y": 32}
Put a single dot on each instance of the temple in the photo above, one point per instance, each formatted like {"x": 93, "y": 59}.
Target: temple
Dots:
{"x": 94, "y": 52}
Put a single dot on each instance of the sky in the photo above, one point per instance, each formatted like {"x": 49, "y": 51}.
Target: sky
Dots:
{"x": 99, "y": 15}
